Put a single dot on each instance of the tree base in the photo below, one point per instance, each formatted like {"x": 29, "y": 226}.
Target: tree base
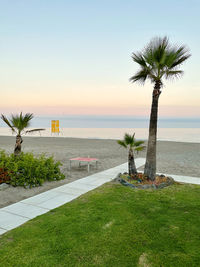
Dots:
{"x": 140, "y": 181}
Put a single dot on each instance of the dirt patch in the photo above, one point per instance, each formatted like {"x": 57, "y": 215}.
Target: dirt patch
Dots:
{"x": 143, "y": 261}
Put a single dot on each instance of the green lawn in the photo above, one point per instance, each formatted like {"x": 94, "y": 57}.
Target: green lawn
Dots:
{"x": 112, "y": 226}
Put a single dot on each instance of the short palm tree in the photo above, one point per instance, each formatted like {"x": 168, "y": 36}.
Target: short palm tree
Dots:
{"x": 18, "y": 123}
{"x": 132, "y": 145}
{"x": 157, "y": 61}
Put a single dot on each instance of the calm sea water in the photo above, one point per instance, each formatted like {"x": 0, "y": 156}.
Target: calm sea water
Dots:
{"x": 112, "y": 127}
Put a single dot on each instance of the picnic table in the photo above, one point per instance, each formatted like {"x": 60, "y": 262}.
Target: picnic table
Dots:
{"x": 88, "y": 160}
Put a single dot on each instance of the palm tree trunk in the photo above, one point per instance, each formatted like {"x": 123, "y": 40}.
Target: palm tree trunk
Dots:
{"x": 131, "y": 163}
{"x": 150, "y": 165}
{"x": 18, "y": 143}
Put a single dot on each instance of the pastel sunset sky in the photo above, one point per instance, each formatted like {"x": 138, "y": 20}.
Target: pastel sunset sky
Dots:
{"x": 74, "y": 57}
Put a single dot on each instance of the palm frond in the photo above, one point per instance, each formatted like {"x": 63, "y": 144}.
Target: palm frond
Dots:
{"x": 159, "y": 46}
{"x": 173, "y": 73}
{"x": 140, "y": 76}
{"x": 138, "y": 143}
{"x": 15, "y": 119}
{"x": 34, "y": 130}
{"x": 129, "y": 139}
{"x": 177, "y": 55}
{"x": 138, "y": 58}
{"x": 27, "y": 118}
{"x": 139, "y": 148}
{"x": 3, "y": 117}
{"x": 170, "y": 58}
{"x": 121, "y": 143}
{"x": 179, "y": 61}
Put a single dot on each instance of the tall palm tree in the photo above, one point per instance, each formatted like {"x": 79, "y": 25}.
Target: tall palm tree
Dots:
{"x": 18, "y": 123}
{"x": 157, "y": 61}
{"x": 132, "y": 145}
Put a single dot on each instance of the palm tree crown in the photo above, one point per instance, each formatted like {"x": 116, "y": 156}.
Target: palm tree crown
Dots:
{"x": 130, "y": 142}
{"x": 159, "y": 60}
{"x": 18, "y": 123}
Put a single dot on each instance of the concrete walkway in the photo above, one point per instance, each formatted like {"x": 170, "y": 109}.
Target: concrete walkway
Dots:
{"x": 16, "y": 214}
{"x": 185, "y": 179}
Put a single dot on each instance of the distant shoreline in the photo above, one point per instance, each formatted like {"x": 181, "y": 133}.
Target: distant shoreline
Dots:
{"x": 97, "y": 138}
{"x": 188, "y": 135}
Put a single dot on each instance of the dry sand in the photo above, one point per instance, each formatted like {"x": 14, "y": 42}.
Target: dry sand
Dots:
{"x": 172, "y": 158}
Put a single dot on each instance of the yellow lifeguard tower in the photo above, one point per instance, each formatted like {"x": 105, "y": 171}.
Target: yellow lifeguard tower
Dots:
{"x": 55, "y": 127}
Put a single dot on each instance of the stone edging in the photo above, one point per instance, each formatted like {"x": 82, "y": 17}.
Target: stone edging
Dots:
{"x": 170, "y": 181}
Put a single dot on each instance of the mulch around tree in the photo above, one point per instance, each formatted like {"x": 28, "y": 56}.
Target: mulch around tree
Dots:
{"x": 140, "y": 181}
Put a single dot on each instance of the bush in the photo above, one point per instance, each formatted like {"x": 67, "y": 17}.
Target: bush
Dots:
{"x": 28, "y": 170}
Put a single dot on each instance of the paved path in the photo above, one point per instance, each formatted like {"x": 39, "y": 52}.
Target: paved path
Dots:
{"x": 16, "y": 214}
{"x": 185, "y": 179}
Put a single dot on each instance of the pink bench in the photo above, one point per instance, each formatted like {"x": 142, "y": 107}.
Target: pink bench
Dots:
{"x": 88, "y": 160}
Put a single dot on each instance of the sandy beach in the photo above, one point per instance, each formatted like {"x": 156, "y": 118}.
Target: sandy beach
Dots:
{"x": 172, "y": 158}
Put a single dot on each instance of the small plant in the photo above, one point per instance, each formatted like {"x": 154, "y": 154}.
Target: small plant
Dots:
{"x": 17, "y": 124}
{"x": 29, "y": 171}
{"x": 130, "y": 143}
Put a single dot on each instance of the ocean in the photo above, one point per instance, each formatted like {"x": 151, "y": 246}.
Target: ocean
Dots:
{"x": 114, "y": 127}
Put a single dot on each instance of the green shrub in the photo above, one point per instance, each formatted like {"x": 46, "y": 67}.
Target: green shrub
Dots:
{"x": 28, "y": 170}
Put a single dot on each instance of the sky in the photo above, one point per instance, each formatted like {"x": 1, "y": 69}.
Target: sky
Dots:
{"x": 74, "y": 57}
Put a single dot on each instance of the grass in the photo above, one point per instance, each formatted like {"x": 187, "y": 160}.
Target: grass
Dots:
{"x": 112, "y": 226}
